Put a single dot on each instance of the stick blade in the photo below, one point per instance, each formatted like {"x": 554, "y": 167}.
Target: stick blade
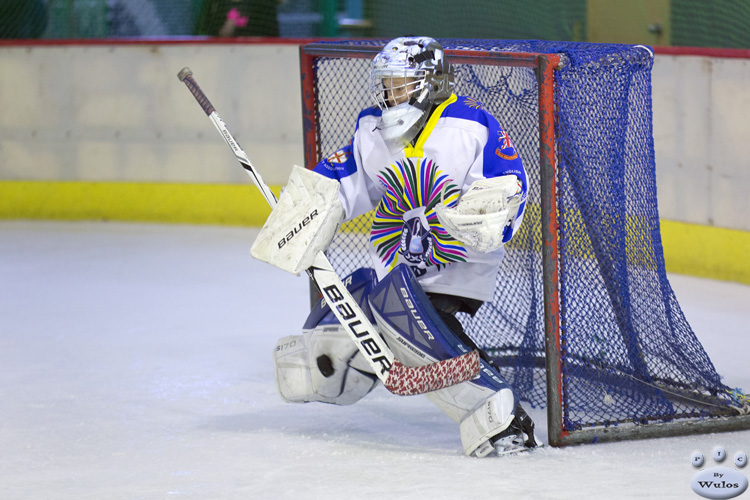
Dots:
{"x": 184, "y": 73}
{"x": 408, "y": 381}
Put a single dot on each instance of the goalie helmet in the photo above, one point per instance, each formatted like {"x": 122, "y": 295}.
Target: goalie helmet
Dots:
{"x": 409, "y": 76}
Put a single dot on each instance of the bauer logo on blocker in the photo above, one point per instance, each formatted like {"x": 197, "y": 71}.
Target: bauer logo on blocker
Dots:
{"x": 297, "y": 228}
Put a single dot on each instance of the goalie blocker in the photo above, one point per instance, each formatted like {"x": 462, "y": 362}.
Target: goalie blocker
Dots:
{"x": 322, "y": 365}
{"x": 302, "y": 224}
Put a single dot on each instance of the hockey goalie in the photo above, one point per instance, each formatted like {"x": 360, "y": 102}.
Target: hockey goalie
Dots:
{"x": 448, "y": 190}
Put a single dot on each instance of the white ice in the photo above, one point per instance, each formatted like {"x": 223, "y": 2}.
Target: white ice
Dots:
{"x": 135, "y": 363}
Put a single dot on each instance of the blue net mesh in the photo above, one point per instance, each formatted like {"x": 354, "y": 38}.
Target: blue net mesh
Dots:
{"x": 628, "y": 353}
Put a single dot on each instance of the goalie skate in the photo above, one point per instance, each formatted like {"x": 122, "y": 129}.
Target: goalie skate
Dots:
{"x": 518, "y": 437}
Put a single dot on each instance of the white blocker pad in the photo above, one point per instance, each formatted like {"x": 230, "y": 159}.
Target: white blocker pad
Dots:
{"x": 322, "y": 365}
{"x": 302, "y": 224}
{"x": 481, "y": 216}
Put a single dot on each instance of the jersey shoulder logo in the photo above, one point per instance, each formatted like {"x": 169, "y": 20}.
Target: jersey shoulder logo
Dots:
{"x": 505, "y": 148}
{"x": 338, "y": 165}
{"x": 340, "y": 156}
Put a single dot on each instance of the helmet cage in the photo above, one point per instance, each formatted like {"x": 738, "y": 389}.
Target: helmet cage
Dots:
{"x": 419, "y": 58}
{"x": 386, "y": 84}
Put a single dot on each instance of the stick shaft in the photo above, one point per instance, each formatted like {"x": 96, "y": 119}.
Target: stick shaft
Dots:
{"x": 341, "y": 302}
{"x": 403, "y": 380}
{"x": 186, "y": 76}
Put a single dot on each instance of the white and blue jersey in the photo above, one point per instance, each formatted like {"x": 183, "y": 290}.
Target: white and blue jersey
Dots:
{"x": 460, "y": 144}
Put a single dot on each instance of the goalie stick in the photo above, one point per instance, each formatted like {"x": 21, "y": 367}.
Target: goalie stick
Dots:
{"x": 397, "y": 378}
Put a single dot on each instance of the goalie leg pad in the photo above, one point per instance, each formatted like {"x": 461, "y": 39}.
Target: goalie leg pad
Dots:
{"x": 322, "y": 365}
{"x": 489, "y": 419}
{"x": 417, "y": 335}
{"x": 290, "y": 364}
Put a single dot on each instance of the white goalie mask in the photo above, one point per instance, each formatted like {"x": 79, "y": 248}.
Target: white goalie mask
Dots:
{"x": 409, "y": 76}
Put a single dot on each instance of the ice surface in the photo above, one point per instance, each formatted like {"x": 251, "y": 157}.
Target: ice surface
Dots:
{"x": 135, "y": 363}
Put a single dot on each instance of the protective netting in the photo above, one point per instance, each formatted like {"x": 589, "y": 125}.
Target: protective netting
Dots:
{"x": 628, "y": 353}
{"x": 719, "y": 23}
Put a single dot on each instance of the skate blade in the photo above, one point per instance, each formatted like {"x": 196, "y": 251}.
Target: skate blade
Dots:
{"x": 517, "y": 450}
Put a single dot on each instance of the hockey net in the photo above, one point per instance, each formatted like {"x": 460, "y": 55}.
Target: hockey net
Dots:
{"x": 615, "y": 357}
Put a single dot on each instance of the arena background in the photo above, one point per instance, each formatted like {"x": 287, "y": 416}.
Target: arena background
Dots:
{"x": 96, "y": 126}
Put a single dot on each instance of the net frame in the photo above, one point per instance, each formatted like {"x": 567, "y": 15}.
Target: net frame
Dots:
{"x": 544, "y": 66}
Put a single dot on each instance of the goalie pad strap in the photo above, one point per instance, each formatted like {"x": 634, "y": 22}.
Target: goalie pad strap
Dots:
{"x": 302, "y": 224}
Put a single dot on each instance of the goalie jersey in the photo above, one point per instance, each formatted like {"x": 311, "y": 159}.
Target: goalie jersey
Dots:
{"x": 460, "y": 144}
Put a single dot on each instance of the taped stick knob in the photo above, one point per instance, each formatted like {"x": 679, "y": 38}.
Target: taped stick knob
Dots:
{"x": 184, "y": 73}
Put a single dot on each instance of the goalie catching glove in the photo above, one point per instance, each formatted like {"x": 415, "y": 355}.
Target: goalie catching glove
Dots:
{"x": 302, "y": 224}
{"x": 484, "y": 218}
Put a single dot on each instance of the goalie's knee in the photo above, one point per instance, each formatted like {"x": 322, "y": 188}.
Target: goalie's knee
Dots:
{"x": 322, "y": 365}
